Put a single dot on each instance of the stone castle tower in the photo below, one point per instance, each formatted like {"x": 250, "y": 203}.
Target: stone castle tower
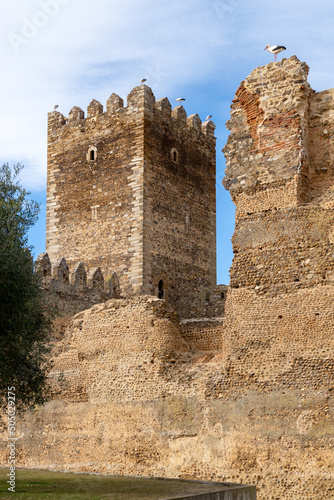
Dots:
{"x": 132, "y": 191}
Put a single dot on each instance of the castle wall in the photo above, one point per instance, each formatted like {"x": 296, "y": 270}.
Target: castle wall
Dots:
{"x": 203, "y": 333}
{"x": 283, "y": 250}
{"x": 279, "y": 316}
{"x": 321, "y": 148}
{"x": 282, "y": 243}
{"x": 131, "y": 396}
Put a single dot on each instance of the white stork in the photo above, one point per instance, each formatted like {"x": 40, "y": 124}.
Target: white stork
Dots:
{"x": 275, "y": 49}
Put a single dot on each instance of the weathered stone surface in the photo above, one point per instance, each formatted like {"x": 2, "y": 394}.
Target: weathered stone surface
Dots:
{"x": 133, "y": 189}
{"x": 64, "y": 297}
{"x": 278, "y": 340}
{"x": 132, "y": 396}
{"x": 243, "y": 396}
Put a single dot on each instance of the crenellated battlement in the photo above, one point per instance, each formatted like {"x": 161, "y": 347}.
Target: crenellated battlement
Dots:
{"x": 76, "y": 283}
{"x": 141, "y": 99}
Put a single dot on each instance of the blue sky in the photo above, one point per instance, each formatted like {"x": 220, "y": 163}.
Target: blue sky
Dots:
{"x": 68, "y": 52}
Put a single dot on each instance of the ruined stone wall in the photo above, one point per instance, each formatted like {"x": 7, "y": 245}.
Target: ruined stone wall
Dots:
{"x": 203, "y": 333}
{"x": 282, "y": 240}
{"x": 321, "y": 149}
{"x": 283, "y": 237}
{"x": 266, "y": 152}
{"x": 283, "y": 250}
{"x": 279, "y": 318}
{"x": 132, "y": 396}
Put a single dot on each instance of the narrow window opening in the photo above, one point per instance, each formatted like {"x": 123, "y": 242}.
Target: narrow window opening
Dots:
{"x": 161, "y": 291}
{"x": 91, "y": 153}
{"x": 174, "y": 155}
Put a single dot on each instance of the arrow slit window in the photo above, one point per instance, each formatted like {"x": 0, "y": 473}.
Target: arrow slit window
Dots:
{"x": 174, "y": 155}
{"x": 91, "y": 153}
{"x": 161, "y": 290}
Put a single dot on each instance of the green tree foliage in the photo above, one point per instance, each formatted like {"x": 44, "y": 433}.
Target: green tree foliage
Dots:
{"x": 23, "y": 327}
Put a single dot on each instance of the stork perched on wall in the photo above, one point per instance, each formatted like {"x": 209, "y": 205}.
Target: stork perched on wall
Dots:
{"x": 275, "y": 49}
